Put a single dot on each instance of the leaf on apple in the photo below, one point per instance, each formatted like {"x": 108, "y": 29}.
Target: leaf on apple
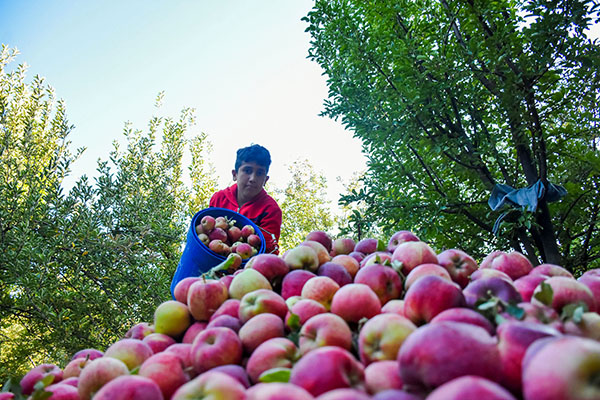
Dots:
{"x": 293, "y": 322}
{"x": 515, "y": 311}
{"x": 275, "y": 375}
{"x": 574, "y": 312}
{"x": 545, "y": 294}
{"x": 381, "y": 245}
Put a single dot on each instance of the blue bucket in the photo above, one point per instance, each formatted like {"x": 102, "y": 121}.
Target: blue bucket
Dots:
{"x": 197, "y": 258}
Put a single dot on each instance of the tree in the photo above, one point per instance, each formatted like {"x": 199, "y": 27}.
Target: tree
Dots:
{"x": 78, "y": 270}
{"x": 303, "y": 204}
{"x": 452, "y": 98}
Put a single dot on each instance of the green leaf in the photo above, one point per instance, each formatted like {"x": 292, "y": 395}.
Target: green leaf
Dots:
{"x": 574, "y": 312}
{"x": 487, "y": 305}
{"x": 545, "y": 294}
{"x": 293, "y": 322}
{"x": 275, "y": 375}
{"x": 381, "y": 245}
{"x": 515, "y": 311}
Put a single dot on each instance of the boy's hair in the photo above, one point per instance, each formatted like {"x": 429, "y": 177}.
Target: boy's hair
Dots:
{"x": 253, "y": 153}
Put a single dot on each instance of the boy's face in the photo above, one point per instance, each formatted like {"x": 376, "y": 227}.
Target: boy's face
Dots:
{"x": 250, "y": 178}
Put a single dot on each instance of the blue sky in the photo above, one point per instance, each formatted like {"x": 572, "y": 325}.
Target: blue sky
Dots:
{"x": 241, "y": 64}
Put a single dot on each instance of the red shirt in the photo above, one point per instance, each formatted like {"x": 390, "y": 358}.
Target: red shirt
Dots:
{"x": 263, "y": 210}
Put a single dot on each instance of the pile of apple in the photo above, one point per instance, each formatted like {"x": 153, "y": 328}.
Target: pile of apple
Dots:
{"x": 339, "y": 320}
{"x": 222, "y": 236}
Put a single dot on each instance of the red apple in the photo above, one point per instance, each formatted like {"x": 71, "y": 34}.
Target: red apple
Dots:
{"x": 277, "y": 391}
{"x": 321, "y": 289}
{"x": 377, "y": 257}
{"x": 459, "y": 264}
{"x": 97, "y": 373}
{"x": 158, "y": 342}
{"x": 211, "y": 385}
{"x": 270, "y": 266}
{"x": 429, "y": 296}
{"x": 254, "y": 241}
{"x": 526, "y": 284}
{"x": 566, "y": 291}
{"x": 550, "y": 270}
{"x": 354, "y": 302}
{"x": 327, "y": 368}
{"x": 214, "y": 347}
{"x": 208, "y": 223}
{"x": 325, "y": 330}
{"x": 367, "y": 246}
{"x": 138, "y": 331}
{"x": 321, "y": 237}
{"x": 193, "y": 331}
{"x": 344, "y": 394}
{"x": 181, "y": 289}
{"x": 488, "y": 273}
{"x": 514, "y": 264}
{"x": 383, "y": 280}
{"x": 74, "y": 367}
{"x": 92, "y": 354}
{"x": 567, "y": 368}
{"x": 381, "y": 337}
{"x": 395, "y": 306}
{"x": 467, "y": 316}
{"x": 412, "y": 254}
{"x": 294, "y": 281}
{"x": 336, "y": 272}
{"x": 399, "y": 238}
{"x": 225, "y": 321}
{"x": 246, "y": 281}
{"x": 259, "y": 329}
{"x": 222, "y": 223}
{"x": 38, "y": 373}
{"x": 437, "y": 353}
{"x": 357, "y": 255}
{"x": 244, "y": 250}
{"x": 302, "y": 257}
{"x": 426, "y": 269}
{"x": 261, "y": 301}
{"x": 306, "y": 308}
{"x": 470, "y": 387}
{"x": 343, "y": 246}
{"x": 133, "y": 352}
{"x": 484, "y": 288}
{"x": 217, "y": 234}
{"x": 322, "y": 253}
{"x": 347, "y": 262}
{"x": 383, "y": 375}
{"x": 167, "y": 370}
{"x": 235, "y": 371}
{"x": 234, "y": 234}
{"x": 205, "y": 297}
{"x": 273, "y": 353}
{"x": 60, "y": 391}
{"x": 593, "y": 283}
{"x": 182, "y": 350}
{"x": 229, "y": 307}
{"x": 247, "y": 230}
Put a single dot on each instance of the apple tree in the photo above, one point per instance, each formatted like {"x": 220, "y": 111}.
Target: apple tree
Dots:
{"x": 461, "y": 103}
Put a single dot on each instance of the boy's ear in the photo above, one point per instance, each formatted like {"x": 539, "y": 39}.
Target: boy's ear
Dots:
{"x": 267, "y": 179}
{"x": 234, "y": 174}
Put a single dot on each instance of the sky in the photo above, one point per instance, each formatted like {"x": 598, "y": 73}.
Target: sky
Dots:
{"x": 241, "y": 64}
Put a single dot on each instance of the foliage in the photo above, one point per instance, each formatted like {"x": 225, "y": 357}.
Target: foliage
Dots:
{"x": 353, "y": 221}
{"x": 303, "y": 204}
{"x": 78, "y": 270}
{"x": 451, "y": 98}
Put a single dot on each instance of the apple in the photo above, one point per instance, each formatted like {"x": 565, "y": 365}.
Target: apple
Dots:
{"x": 459, "y": 264}
{"x": 158, "y": 342}
{"x": 235, "y": 371}
{"x": 426, "y": 269}
{"x": 321, "y": 237}
{"x": 429, "y": 296}
{"x": 273, "y": 353}
{"x": 270, "y": 266}
{"x": 395, "y": 306}
{"x": 514, "y": 337}
{"x": 217, "y": 234}
{"x": 259, "y": 329}
{"x": 537, "y": 313}
{"x": 336, "y": 272}
{"x": 357, "y": 255}
{"x": 244, "y": 250}
{"x": 138, "y": 331}
{"x": 377, "y": 257}
{"x": 550, "y": 270}
{"x": 276, "y": 390}
{"x": 470, "y": 387}
{"x": 208, "y": 223}
{"x": 203, "y": 237}
{"x": 205, "y": 297}
{"x": 133, "y": 352}
{"x": 11, "y": 396}
{"x": 526, "y": 284}
{"x": 172, "y": 317}
{"x": 229, "y": 307}
{"x": 225, "y": 321}
{"x": 181, "y": 289}
{"x": 254, "y": 241}
{"x": 302, "y": 257}
{"x": 261, "y": 301}
{"x": 215, "y": 346}
{"x": 488, "y": 273}
{"x": 182, "y": 350}
{"x": 92, "y": 354}
{"x": 324, "y": 330}
{"x": 566, "y": 291}
{"x": 193, "y": 331}
{"x": 246, "y": 281}
{"x": 383, "y": 280}
{"x": 74, "y": 367}
{"x": 382, "y": 336}
{"x": 382, "y": 375}
{"x": 437, "y": 353}
{"x": 343, "y": 246}
{"x": 484, "y": 288}
{"x": 327, "y": 368}
{"x": 593, "y": 283}
{"x": 306, "y": 308}
{"x": 322, "y": 253}
{"x": 221, "y": 223}
{"x": 465, "y": 315}
{"x": 38, "y": 373}
{"x": 400, "y": 237}
{"x": 321, "y": 289}
{"x": 367, "y": 246}
{"x": 514, "y": 264}
{"x": 355, "y": 301}
{"x": 566, "y": 368}
{"x": 97, "y": 373}
{"x": 60, "y": 391}
{"x": 347, "y": 262}
{"x": 167, "y": 370}
{"x": 226, "y": 279}
{"x": 588, "y": 326}
{"x": 293, "y": 282}
{"x": 344, "y": 394}
{"x": 234, "y": 234}
{"x": 247, "y": 230}
{"x": 412, "y": 254}
{"x": 211, "y": 385}
{"x": 397, "y": 394}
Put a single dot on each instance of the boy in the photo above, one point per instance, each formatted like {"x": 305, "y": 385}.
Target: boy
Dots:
{"x": 248, "y": 197}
